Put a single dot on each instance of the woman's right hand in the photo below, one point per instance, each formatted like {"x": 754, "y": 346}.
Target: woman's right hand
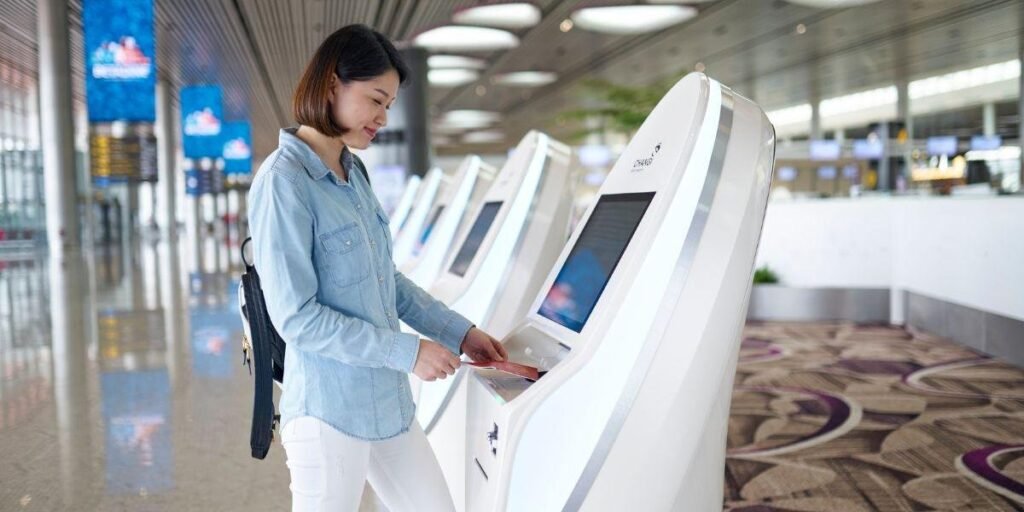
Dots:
{"x": 434, "y": 361}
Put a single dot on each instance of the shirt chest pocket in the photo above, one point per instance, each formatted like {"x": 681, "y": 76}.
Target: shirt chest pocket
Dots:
{"x": 346, "y": 257}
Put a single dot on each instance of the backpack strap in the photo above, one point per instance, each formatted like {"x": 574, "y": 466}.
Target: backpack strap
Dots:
{"x": 357, "y": 163}
{"x": 264, "y": 418}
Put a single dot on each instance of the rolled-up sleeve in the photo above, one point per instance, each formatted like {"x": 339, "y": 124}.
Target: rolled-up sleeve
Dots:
{"x": 428, "y": 315}
{"x": 281, "y": 225}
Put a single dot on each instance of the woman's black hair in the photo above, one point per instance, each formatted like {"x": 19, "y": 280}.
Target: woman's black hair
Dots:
{"x": 354, "y": 53}
{"x": 365, "y": 53}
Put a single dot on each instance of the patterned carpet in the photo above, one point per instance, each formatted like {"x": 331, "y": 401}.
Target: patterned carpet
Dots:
{"x": 837, "y": 417}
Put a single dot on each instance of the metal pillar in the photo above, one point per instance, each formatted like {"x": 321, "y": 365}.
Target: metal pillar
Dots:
{"x": 414, "y": 100}
{"x": 815, "y": 120}
{"x": 166, "y": 162}
{"x": 63, "y": 231}
{"x": 1020, "y": 100}
{"x": 903, "y": 111}
{"x": 988, "y": 119}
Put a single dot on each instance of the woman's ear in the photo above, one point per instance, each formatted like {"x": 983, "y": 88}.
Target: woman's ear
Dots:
{"x": 332, "y": 87}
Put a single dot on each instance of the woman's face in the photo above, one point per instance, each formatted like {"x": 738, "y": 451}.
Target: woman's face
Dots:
{"x": 360, "y": 108}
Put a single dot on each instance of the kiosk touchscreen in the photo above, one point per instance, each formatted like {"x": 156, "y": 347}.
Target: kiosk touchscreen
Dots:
{"x": 636, "y": 329}
{"x": 404, "y": 206}
{"x": 409, "y": 229}
{"x": 434, "y": 242}
{"x": 519, "y": 227}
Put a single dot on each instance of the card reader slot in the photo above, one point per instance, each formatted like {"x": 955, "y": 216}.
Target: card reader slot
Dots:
{"x": 501, "y": 385}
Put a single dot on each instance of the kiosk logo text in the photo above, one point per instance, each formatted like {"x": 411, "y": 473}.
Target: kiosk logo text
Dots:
{"x": 641, "y": 164}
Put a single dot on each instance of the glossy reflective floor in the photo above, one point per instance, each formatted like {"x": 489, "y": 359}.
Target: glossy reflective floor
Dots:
{"x": 122, "y": 386}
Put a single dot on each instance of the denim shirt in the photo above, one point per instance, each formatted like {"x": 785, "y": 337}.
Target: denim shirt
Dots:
{"x": 323, "y": 250}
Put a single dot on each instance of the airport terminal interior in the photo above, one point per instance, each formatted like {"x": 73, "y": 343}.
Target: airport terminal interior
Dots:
{"x": 744, "y": 255}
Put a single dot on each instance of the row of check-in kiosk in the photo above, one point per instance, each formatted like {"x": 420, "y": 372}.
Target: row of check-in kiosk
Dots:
{"x": 632, "y": 317}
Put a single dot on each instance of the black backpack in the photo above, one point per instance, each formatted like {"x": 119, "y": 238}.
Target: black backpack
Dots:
{"x": 263, "y": 348}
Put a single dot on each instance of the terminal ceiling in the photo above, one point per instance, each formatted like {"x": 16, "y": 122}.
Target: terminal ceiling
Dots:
{"x": 256, "y": 50}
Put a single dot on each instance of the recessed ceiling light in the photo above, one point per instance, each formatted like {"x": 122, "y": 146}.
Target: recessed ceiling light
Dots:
{"x": 483, "y": 137}
{"x": 512, "y": 15}
{"x": 526, "y": 78}
{"x": 565, "y": 25}
{"x": 468, "y": 119}
{"x": 443, "y": 129}
{"x": 790, "y": 115}
{"x": 831, "y": 4}
{"x": 465, "y": 114}
{"x": 631, "y": 19}
{"x": 451, "y": 77}
{"x": 454, "y": 61}
{"x": 466, "y": 39}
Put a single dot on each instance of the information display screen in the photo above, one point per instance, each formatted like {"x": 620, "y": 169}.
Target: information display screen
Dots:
{"x": 429, "y": 228}
{"x": 824, "y": 150}
{"x": 591, "y": 262}
{"x": 944, "y": 145}
{"x": 475, "y": 237}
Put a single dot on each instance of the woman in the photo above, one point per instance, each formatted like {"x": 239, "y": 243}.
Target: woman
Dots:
{"x": 323, "y": 249}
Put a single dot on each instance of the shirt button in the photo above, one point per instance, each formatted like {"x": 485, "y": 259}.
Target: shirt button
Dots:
{"x": 372, "y": 242}
{"x": 380, "y": 279}
{"x": 348, "y": 242}
{"x": 359, "y": 206}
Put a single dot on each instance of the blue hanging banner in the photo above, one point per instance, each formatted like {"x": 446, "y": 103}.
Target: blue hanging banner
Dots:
{"x": 202, "y": 118}
{"x": 120, "y": 55}
{"x": 237, "y": 147}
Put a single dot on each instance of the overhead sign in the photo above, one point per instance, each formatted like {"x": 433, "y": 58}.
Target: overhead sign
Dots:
{"x": 202, "y": 118}
{"x": 824, "y": 150}
{"x": 943, "y": 145}
{"x": 237, "y": 147}
{"x": 120, "y": 55}
{"x": 868, "y": 149}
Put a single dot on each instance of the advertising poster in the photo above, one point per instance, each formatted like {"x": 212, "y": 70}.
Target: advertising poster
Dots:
{"x": 120, "y": 55}
{"x": 237, "y": 147}
{"x": 202, "y": 119}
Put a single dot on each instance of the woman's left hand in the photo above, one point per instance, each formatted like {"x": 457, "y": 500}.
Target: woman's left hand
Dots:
{"x": 480, "y": 346}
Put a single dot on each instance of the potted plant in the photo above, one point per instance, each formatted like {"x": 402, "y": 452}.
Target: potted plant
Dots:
{"x": 763, "y": 293}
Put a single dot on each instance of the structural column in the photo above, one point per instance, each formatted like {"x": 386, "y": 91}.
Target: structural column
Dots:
{"x": 414, "y": 102}
{"x": 816, "y": 133}
{"x": 166, "y": 162}
{"x": 63, "y": 230}
{"x": 903, "y": 111}
{"x": 988, "y": 119}
{"x": 1020, "y": 100}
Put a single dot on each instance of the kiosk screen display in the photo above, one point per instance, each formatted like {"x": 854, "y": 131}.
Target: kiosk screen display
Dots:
{"x": 593, "y": 259}
{"x": 429, "y": 228}
{"x": 475, "y": 237}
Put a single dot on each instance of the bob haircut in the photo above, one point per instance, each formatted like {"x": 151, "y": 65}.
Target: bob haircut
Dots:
{"x": 355, "y": 53}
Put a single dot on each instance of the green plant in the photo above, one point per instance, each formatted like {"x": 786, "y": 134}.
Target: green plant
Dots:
{"x": 765, "y": 275}
{"x": 619, "y": 108}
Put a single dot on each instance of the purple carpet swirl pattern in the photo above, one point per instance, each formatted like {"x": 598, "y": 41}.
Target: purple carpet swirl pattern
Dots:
{"x": 838, "y": 417}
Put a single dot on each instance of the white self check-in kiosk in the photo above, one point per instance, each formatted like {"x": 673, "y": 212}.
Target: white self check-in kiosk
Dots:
{"x": 404, "y": 206}
{"x": 410, "y": 229}
{"x": 492, "y": 277}
{"x": 432, "y": 245}
{"x": 636, "y": 328}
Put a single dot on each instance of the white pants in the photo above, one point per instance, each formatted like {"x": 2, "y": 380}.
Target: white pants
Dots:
{"x": 329, "y": 469}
